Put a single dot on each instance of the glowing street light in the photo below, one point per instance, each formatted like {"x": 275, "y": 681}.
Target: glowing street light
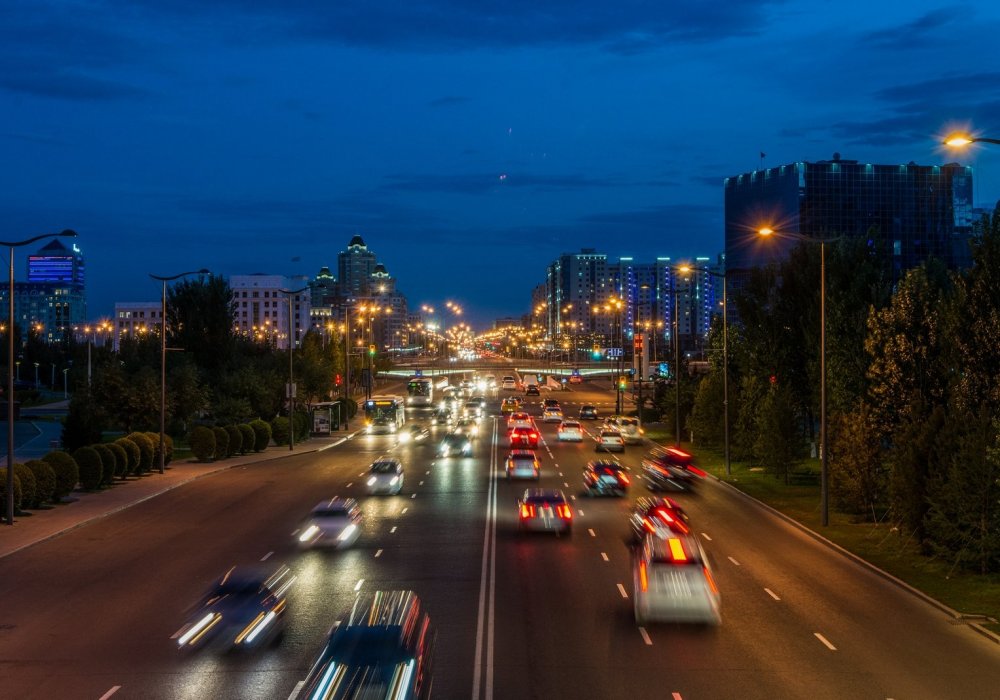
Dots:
{"x": 960, "y": 140}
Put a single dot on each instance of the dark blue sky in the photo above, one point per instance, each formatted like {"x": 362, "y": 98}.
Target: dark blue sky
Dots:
{"x": 468, "y": 141}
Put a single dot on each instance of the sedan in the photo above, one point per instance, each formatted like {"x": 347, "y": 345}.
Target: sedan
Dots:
{"x": 443, "y": 416}
{"x": 520, "y": 420}
{"x": 412, "y": 434}
{"x": 672, "y": 581}
{"x": 468, "y": 426}
{"x": 532, "y": 390}
{"x": 523, "y": 437}
{"x": 570, "y": 430}
{"x": 455, "y": 444}
{"x": 244, "y": 609}
{"x": 603, "y": 476}
{"x": 552, "y": 415}
{"x": 334, "y": 523}
{"x": 522, "y": 464}
{"x": 510, "y": 405}
{"x": 610, "y": 441}
{"x": 662, "y": 515}
{"x": 541, "y": 510}
{"x": 385, "y": 475}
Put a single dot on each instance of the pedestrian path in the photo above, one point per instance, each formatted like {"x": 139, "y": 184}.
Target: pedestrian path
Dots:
{"x": 85, "y": 507}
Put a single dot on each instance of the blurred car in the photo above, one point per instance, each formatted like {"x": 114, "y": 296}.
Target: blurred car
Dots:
{"x": 385, "y": 475}
{"x": 335, "y": 523}
{"x": 670, "y": 468}
{"x": 672, "y": 581}
{"x": 508, "y": 382}
{"x": 657, "y": 515}
{"x": 588, "y": 413}
{"x": 603, "y": 476}
{"x": 610, "y": 441}
{"x": 532, "y": 390}
{"x": 522, "y": 464}
{"x": 627, "y": 426}
{"x": 382, "y": 650}
{"x": 481, "y": 400}
{"x": 413, "y": 433}
{"x": 575, "y": 379}
{"x": 244, "y": 609}
{"x": 520, "y": 420}
{"x": 541, "y": 510}
{"x": 467, "y": 426}
{"x": 510, "y": 405}
{"x": 450, "y": 402}
{"x": 442, "y": 416}
{"x": 455, "y": 444}
{"x": 523, "y": 437}
{"x": 552, "y": 414}
{"x": 550, "y": 403}
{"x": 570, "y": 430}
{"x": 472, "y": 409}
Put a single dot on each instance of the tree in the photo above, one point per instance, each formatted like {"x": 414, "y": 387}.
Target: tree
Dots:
{"x": 911, "y": 460}
{"x": 857, "y": 473}
{"x": 200, "y": 320}
{"x": 779, "y": 443}
{"x": 707, "y": 413}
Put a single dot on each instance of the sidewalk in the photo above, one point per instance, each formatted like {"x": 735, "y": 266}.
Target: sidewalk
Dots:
{"x": 85, "y": 507}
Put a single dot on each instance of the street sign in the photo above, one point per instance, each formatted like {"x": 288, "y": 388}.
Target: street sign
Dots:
{"x": 613, "y": 352}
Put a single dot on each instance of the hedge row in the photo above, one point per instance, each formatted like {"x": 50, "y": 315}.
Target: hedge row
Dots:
{"x": 217, "y": 442}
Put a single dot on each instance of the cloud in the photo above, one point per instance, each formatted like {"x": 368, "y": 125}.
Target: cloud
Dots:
{"x": 483, "y": 183}
{"x": 919, "y": 32}
{"x": 67, "y": 85}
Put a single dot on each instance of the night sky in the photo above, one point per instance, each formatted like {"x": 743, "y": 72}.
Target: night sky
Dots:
{"x": 468, "y": 141}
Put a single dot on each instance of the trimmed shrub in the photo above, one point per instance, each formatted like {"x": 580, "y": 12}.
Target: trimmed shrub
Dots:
{"x": 168, "y": 445}
{"x": 279, "y": 430}
{"x": 146, "y": 451}
{"x": 67, "y": 473}
{"x": 133, "y": 454}
{"x": 29, "y": 493}
{"x": 109, "y": 463}
{"x": 221, "y": 442}
{"x": 202, "y": 440}
{"x": 249, "y": 438}
{"x": 235, "y": 440}
{"x": 45, "y": 480}
{"x": 303, "y": 425}
{"x": 154, "y": 441}
{"x": 261, "y": 434}
{"x": 89, "y": 462}
{"x": 121, "y": 459}
{"x": 3, "y": 491}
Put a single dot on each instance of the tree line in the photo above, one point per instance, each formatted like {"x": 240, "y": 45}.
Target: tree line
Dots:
{"x": 913, "y": 387}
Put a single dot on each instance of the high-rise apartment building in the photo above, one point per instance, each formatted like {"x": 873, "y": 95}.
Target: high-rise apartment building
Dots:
{"x": 918, "y": 211}
{"x": 261, "y": 308}
{"x": 354, "y": 268}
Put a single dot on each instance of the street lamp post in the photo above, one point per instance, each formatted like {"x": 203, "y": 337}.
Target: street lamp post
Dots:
{"x": 824, "y": 497}
{"x": 66, "y": 383}
{"x": 347, "y": 365}
{"x": 289, "y": 293}
{"x": 163, "y": 354}
{"x": 10, "y": 360}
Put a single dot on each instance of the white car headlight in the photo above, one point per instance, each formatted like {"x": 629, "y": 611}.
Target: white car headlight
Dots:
{"x": 347, "y": 532}
{"x": 371, "y": 480}
{"x": 309, "y": 533}
{"x": 394, "y": 481}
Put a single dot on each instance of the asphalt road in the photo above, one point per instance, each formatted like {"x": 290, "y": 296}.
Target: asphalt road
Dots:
{"x": 516, "y": 617}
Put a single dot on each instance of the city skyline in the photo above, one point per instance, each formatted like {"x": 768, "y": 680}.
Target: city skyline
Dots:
{"x": 470, "y": 145}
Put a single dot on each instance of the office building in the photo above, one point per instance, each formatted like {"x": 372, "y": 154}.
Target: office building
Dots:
{"x": 52, "y": 299}
{"x": 135, "y": 319}
{"x": 261, "y": 308}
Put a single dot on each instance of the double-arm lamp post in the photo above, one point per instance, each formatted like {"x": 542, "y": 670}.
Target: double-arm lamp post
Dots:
{"x": 824, "y": 474}
{"x": 10, "y": 361}
{"x": 289, "y": 293}
{"x": 163, "y": 352}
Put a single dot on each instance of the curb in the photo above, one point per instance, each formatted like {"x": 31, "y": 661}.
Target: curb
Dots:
{"x": 885, "y": 575}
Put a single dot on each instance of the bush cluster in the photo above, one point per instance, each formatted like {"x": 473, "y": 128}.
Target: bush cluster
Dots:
{"x": 262, "y": 434}
{"x": 88, "y": 462}
{"x": 67, "y": 473}
{"x": 3, "y": 488}
{"x": 45, "y": 481}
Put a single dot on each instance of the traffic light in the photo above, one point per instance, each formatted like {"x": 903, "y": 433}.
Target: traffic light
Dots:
{"x": 621, "y": 383}
{"x": 637, "y": 343}
{"x": 338, "y": 380}
{"x": 371, "y": 350}
{"x": 596, "y": 353}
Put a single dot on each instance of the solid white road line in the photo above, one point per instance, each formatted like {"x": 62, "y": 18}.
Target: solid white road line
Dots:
{"x": 734, "y": 561}
{"x": 604, "y": 556}
{"x": 705, "y": 535}
{"x": 392, "y": 530}
{"x": 181, "y": 631}
{"x": 484, "y": 624}
{"x": 296, "y": 689}
{"x": 114, "y": 689}
{"x": 266, "y": 556}
{"x": 591, "y": 531}
{"x": 378, "y": 554}
{"x": 645, "y": 636}
{"x": 359, "y": 584}
{"x": 826, "y": 642}
{"x": 621, "y": 589}
{"x": 772, "y": 593}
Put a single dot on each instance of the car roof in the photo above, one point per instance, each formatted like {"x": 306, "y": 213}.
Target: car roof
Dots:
{"x": 604, "y": 464}
{"x": 543, "y": 495}
{"x": 521, "y": 453}
{"x": 335, "y": 503}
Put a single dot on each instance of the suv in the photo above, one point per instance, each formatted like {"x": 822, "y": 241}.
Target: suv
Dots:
{"x": 532, "y": 390}
{"x": 672, "y": 581}
{"x": 522, "y": 464}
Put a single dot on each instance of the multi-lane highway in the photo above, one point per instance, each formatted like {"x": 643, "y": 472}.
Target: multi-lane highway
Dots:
{"x": 92, "y": 614}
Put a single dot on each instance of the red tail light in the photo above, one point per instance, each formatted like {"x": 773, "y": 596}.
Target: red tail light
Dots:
{"x": 643, "y": 581}
{"x": 527, "y": 511}
{"x": 711, "y": 581}
{"x": 564, "y": 512}
{"x": 623, "y": 477}
{"x": 695, "y": 470}
{"x": 533, "y": 436}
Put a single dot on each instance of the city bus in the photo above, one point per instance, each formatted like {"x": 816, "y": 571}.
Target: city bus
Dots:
{"x": 384, "y": 414}
{"x": 420, "y": 392}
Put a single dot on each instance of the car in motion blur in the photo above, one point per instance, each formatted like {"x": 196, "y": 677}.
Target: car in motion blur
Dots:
{"x": 570, "y": 431}
{"x": 522, "y": 464}
{"x": 603, "y": 477}
{"x": 520, "y": 420}
{"x": 652, "y": 515}
{"x": 609, "y": 440}
{"x": 385, "y": 476}
{"x": 383, "y": 650}
{"x": 242, "y": 610}
{"x": 670, "y": 468}
{"x": 443, "y": 416}
{"x": 672, "y": 581}
{"x": 627, "y": 426}
{"x": 413, "y": 433}
{"x": 544, "y": 510}
{"x": 335, "y": 522}
{"x": 523, "y": 437}
{"x": 588, "y": 412}
{"x": 511, "y": 404}
{"x": 467, "y": 426}
{"x": 455, "y": 444}
{"x": 552, "y": 414}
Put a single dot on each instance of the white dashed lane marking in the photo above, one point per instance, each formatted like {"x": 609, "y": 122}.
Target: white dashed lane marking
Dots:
{"x": 825, "y": 641}
{"x": 350, "y": 484}
{"x": 403, "y": 512}
{"x": 645, "y": 636}
{"x": 591, "y": 531}
{"x": 772, "y": 593}
{"x": 392, "y": 530}
{"x": 266, "y": 556}
{"x": 359, "y": 584}
{"x": 378, "y": 554}
{"x": 621, "y": 589}
{"x": 604, "y": 556}
{"x": 734, "y": 561}
{"x": 705, "y": 535}
{"x": 114, "y": 689}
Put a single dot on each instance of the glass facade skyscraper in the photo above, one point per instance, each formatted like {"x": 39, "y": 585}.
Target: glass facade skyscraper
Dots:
{"x": 918, "y": 211}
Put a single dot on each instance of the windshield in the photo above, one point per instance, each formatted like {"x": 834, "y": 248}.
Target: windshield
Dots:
{"x": 384, "y": 468}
